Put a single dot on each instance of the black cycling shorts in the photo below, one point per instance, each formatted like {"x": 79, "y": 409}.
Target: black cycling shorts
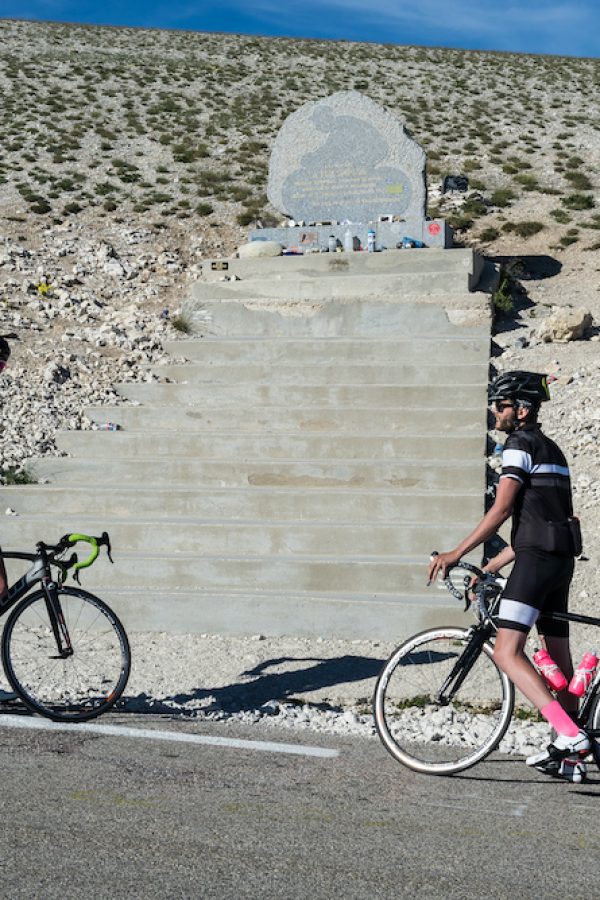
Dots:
{"x": 537, "y": 586}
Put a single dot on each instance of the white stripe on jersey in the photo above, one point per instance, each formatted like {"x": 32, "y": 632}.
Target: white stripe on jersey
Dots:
{"x": 550, "y": 468}
{"x": 517, "y": 459}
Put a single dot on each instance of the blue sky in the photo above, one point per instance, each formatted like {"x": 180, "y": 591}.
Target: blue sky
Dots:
{"x": 529, "y": 26}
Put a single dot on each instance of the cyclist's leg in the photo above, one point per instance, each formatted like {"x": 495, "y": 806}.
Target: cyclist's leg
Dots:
{"x": 554, "y": 636}
{"x": 509, "y": 655}
{"x": 531, "y": 582}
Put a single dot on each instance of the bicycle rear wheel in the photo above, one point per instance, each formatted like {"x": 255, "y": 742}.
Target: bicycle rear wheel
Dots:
{"x": 77, "y": 687}
{"x": 440, "y": 735}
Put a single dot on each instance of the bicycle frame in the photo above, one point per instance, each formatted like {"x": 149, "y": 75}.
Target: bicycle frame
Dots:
{"x": 463, "y": 665}
{"x": 40, "y": 571}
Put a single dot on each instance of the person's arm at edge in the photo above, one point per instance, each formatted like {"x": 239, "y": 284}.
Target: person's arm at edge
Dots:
{"x": 501, "y": 559}
{"x": 506, "y": 494}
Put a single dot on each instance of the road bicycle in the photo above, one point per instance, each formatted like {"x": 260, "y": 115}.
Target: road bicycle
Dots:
{"x": 64, "y": 652}
{"x": 441, "y": 703}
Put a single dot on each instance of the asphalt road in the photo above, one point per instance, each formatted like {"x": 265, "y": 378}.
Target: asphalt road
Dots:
{"x": 92, "y": 815}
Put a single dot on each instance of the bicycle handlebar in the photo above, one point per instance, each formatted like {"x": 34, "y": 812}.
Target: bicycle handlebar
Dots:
{"x": 73, "y": 562}
{"x": 484, "y": 580}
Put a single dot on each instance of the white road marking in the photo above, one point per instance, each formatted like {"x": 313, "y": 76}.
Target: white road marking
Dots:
{"x": 518, "y": 809}
{"x": 151, "y": 734}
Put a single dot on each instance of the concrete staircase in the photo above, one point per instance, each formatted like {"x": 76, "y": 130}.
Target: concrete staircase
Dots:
{"x": 293, "y": 475}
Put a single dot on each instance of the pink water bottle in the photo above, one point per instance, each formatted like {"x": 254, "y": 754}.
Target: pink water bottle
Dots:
{"x": 549, "y": 670}
{"x": 583, "y": 674}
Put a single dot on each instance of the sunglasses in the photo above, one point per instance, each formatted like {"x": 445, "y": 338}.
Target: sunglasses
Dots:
{"x": 500, "y": 407}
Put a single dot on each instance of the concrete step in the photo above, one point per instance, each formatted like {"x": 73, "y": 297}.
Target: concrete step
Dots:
{"x": 276, "y": 419}
{"x": 188, "y": 571}
{"x": 401, "y": 286}
{"x": 281, "y": 373}
{"x": 231, "y": 445}
{"x": 249, "y": 538}
{"x": 320, "y": 475}
{"x": 302, "y": 396}
{"x": 336, "y": 319}
{"x": 267, "y": 504}
{"x": 329, "y": 351}
{"x": 322, "y": 266}
{"x": 371, "y": 616}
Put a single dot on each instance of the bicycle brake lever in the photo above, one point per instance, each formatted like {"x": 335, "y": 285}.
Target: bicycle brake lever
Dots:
{"x": 105, "y": 539}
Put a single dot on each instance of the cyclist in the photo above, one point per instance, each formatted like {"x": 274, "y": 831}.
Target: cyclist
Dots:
{"x": 534, "y": 488}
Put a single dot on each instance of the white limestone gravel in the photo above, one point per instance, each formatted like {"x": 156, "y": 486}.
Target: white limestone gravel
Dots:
{"x": 321, "y": 686}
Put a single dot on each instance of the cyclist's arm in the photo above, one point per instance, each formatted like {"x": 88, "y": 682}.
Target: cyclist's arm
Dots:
{"x": 506, "y": 494}
{"x": 502, "y": 559}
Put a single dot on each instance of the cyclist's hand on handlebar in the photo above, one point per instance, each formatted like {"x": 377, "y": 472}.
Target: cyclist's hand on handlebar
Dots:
{"x": 441, "y": 562}
{"x": 471, "y": 596}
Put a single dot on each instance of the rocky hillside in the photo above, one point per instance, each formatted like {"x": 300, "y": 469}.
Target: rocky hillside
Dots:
{"x": 128, "y": 155}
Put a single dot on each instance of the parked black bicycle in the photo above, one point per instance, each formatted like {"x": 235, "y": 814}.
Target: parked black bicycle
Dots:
{"x": 64, "y": 652}
{"x": 442, "y": 704}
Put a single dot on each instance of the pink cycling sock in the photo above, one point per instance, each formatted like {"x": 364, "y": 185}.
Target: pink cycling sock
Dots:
{"x": 559, "y": 719}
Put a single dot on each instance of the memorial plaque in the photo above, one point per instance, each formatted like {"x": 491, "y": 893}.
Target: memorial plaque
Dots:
{"x": 345, "y": 158}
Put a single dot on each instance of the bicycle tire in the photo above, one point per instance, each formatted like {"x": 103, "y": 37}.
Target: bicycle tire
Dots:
{"x": 430, "y": 737}
{"x": 78, "y": 687}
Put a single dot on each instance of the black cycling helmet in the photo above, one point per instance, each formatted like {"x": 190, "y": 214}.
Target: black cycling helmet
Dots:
{"x": 529, "y": 388}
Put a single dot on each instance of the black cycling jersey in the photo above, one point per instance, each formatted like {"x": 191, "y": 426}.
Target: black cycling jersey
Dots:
{"x": 540, "y": 465}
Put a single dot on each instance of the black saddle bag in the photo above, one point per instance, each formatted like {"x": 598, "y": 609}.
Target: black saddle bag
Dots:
{"x": 564, "y": 537}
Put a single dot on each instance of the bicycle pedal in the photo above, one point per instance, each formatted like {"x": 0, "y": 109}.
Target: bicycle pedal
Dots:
{"x": 574, "y": 770}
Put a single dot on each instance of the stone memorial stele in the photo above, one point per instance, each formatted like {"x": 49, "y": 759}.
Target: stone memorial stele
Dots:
{"x": 345, "y": 159}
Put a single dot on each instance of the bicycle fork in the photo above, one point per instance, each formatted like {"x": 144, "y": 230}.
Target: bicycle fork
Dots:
{"x": 462, "y": 666}
{"x": 57, "y": 620}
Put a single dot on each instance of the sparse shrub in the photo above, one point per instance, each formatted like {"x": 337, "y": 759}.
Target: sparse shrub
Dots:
{"x": 571, "y": 237}
{"x": 502, "y": 298}
{"x": 524, "y": 229}
{"x": 502, "y": 197}
{"x": 14, "y": 475}
{"x": 204, "y": 209}
{"x": 71, "y": 209}
{"x": 527, "y": 182}
{"x": 181, "y": 324}
{"x": 560, "y": 215}
{"x": 40, "y": 207}
{"x": 579, "y": 181}
{"x": 244, "y": 218}
{"x": 489, "y": 234}
{"x": 579, "y": 201}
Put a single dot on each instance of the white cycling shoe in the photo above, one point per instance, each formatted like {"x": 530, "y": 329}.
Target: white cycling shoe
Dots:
{"x": 563, "y": 758}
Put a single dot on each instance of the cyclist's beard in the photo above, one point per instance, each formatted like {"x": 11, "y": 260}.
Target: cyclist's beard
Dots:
{"x": 510, "y": 425}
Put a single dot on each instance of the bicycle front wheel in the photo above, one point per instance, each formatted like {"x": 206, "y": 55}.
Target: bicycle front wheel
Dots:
{"x": 441, "y": 704}
{"x": 70, "y": 688}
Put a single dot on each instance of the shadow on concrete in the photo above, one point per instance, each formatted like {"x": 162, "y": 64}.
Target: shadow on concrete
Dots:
{"x": 267, "y": 685}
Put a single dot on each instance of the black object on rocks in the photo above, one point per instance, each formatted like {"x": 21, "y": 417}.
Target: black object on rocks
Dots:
{"x": 455, "y": 183}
